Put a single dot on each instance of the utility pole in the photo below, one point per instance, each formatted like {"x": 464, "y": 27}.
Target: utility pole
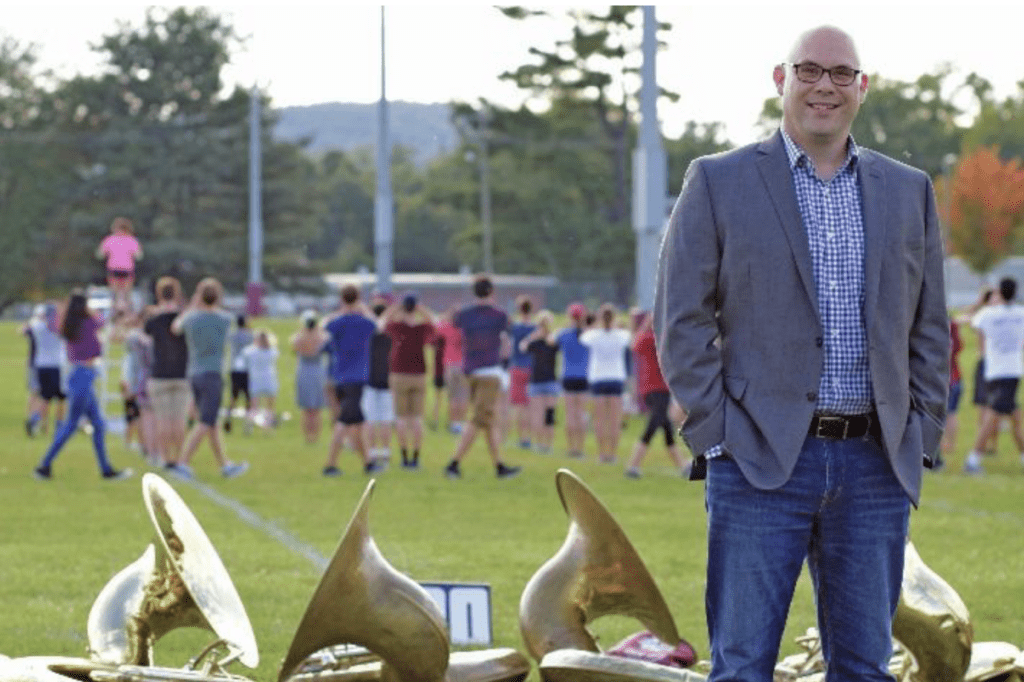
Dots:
{"x": 485, "y": 192}
{"x": 383, "y": 210}
{"x": 254, "y": 287}
{"x": 650, "y": 171}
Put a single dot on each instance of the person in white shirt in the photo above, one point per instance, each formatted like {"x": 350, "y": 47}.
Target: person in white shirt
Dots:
{"x": 261, "y": 363}
{"x": 1001, "y": 330}
{"x": 606, "y": 376}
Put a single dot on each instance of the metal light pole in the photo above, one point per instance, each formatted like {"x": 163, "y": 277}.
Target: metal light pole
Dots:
{"x": 383, "y": 210}
{"x": 650, "y": 174}
{"x": 254, "y": 287}
{"x": 485, "y": 193}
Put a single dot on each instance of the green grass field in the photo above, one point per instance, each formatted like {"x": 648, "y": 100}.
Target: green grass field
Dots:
{"x": 60, "y": 541}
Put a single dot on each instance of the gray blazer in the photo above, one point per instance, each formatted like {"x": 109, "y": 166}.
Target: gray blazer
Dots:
{"x": 736, "y": 315}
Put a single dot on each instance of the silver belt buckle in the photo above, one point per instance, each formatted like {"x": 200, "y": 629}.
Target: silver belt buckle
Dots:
{"x": 822, "y": 421}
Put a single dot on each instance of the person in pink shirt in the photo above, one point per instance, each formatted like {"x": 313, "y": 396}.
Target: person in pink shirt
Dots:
{"x": 121, "y": 249}
{"x": 454, "y": 377}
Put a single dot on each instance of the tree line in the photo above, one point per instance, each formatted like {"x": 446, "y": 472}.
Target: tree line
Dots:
{"x": 157, "y": 137}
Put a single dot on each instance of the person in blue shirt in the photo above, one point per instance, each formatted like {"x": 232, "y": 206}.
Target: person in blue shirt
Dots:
{"x": 350, "y": 331}
{"x": 575, "y": 357}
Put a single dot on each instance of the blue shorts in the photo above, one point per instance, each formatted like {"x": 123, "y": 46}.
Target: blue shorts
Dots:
{"x": 603, "y": 388}
{"x": 574, "y": 384}
{"x": 955, "y": 390}
{"x": 543, "y": 388}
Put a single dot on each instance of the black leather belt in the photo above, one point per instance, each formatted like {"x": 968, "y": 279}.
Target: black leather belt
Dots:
{"x": 842, "y": 427}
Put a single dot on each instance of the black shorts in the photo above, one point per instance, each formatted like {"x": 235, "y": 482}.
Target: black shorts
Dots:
{"x": 131, "y": 410}
{"x": 574, "y": 385}
{"x": 1002, "y": 394}
{"x": 49, "y": 383}
{"x": 607, "y": 388}
{"x": 979, "y": 383}
{"x": 207, "y": 390}
{"x": 120, "y": 274}
{"x": 350, "y": 397}
{"x": 239, "y": 385}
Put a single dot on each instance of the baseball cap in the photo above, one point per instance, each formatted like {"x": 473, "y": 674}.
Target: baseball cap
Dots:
{"x": 577, "y": 311}
{"x": 409, "y": 300}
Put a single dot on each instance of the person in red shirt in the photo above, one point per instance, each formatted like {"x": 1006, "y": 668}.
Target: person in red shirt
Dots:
{"x": 955, "y": 390}
{"x": 410, "y": 326}
{"x": 454, "y": 378}
{"x": 650, "y": 384}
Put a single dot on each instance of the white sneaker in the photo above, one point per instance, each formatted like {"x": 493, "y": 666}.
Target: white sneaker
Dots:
{"x": 234, "y": 470}
{"x": 181, "y": 470}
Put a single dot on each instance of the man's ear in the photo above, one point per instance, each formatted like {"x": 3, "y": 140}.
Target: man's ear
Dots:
{"x": 863, "y": 89}
{"x": 779, "y": 76}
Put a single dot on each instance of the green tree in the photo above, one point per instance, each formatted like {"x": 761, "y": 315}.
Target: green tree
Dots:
{"x": 160, "y": 142}
{"x": 36, "y": 170}
{"x": 999, "y": 124}
{"x": 596, "y": 66}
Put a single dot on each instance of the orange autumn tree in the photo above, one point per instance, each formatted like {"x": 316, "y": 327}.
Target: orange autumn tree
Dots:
{"x": 985, "y": 207}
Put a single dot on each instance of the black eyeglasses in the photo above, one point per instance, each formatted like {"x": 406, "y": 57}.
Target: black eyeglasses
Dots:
{"x": 809, "y": 72}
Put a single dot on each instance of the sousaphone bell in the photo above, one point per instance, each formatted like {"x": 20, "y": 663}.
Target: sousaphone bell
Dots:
{"x": 363, "y": 600}
{"x": 596, "y": 572}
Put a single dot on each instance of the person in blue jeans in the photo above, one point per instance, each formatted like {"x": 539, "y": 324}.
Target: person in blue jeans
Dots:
{"x": 80, "y": 328}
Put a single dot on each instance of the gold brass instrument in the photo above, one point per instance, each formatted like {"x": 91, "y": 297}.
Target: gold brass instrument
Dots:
{"x": 179, "y": 581}
{"x": 932, "y": 622}
{"x": 363, "y": 600}
{"x": 596, "y": 572}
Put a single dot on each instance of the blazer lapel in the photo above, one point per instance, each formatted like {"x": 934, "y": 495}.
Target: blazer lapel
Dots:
{"x": 773, "y": 165}
{"x": 873, "y": 208}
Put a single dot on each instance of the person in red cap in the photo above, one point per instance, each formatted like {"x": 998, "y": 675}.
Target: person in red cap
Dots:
{"x": 575, "y": 357}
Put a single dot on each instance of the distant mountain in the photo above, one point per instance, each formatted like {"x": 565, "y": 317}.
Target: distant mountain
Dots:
{"x": 426, "y": 128}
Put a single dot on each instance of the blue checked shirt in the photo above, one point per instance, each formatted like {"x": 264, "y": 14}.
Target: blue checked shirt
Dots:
{"x": 831, "y": 212}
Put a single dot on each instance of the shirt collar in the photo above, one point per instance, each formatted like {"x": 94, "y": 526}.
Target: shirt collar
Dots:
{"x": 796, "y": 153}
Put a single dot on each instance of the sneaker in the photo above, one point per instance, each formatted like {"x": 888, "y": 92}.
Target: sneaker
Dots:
{"x": 411, "y": 464}
{"x": 180, "y": 470}
{"x": 234, "y": 470}
{"x": 42, "y": 473}
{"x": 632, "y": 473}
{"x": 115, "y": 475}
{"x": 373, "y": 467}
{"x": 507, "y": 471}
{"x": 973, "y": 469}
{"x": 332, "y": 472}
{"x": 452, "y": 470}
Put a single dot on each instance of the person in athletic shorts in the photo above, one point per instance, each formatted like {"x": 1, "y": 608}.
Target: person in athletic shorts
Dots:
{"x": 1001, "y": 327}
{"x": 454, "y": 377}
{"x": 575, "y": 357}
{"x": 240, "y": 338}
{"x": 606, "y": 374}
{"x": 543, "y": 388}
{"x": 520, "y": 365}
{"x": 484, "y": 330}
{"x": 378, "y": 399}
{"x": 410, "y": 326}
{"x": 350, "y": 331}
{"x": 168, "y": 387}
{"x": 45, "y": 360}
{"x": 121, "y": 249}
{"x": 205, "y": 325}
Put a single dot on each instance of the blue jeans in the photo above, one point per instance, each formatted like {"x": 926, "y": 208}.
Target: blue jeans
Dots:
{"x": 81, "y": 402}
{"x": 845, "y": 513}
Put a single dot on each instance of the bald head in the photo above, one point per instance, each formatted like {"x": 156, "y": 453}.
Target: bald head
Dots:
{"x": 823, "y": 34}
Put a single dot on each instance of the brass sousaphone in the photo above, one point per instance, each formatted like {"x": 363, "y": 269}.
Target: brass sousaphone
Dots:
{"x": 596, "y": 572}
{"x": 179, "y": 581}
{"x": 363, "y": 600}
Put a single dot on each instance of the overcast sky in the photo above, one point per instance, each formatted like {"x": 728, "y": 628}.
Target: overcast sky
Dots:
{"x": 719, "y": 54}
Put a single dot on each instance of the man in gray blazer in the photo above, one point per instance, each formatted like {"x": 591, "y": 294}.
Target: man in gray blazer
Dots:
{"x": 801, "y": 322}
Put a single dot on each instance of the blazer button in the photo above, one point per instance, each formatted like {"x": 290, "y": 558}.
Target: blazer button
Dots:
{"x": 812, "y": 396}
{"x": 819, "y": 342}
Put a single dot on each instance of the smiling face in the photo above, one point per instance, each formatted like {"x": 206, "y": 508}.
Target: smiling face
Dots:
{"x": 818, "y": 115}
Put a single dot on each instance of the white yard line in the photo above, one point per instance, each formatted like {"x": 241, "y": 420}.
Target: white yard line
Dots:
{"x": 257, "y": 522}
